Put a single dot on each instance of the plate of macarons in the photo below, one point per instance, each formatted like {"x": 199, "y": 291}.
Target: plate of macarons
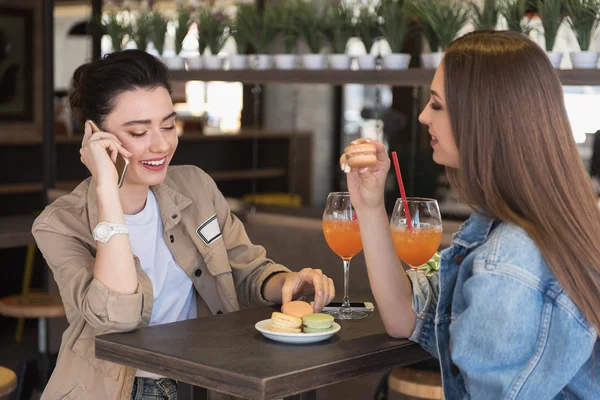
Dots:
{"x": 297, "y": 323}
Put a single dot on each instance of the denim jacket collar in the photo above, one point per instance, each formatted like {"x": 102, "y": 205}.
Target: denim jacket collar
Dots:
{"x": 474, "y": 231}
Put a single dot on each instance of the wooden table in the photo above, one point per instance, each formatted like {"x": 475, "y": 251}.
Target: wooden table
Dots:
{"x": 226, "y": 354}
{"x": 15, "y": 231}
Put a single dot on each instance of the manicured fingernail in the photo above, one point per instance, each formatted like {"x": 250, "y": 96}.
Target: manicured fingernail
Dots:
{"x": 363, "y": 170}
{"x": 347, "y": 168}
{"x": 320, "y": 294}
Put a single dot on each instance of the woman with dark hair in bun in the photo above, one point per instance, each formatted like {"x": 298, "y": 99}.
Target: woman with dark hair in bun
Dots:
{"x": 163, "y": 247}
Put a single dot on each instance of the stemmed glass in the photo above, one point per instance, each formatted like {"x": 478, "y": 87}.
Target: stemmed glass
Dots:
{"x": 417, "y": 244}
{"x": 342, "y": 233}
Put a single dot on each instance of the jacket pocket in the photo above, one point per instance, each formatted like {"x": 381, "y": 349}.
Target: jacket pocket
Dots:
{"x": 217, "y": 264}
{"x": 76, "y": 393}
{"x": 85, "y": 347}
{"x": 217, "y": 260}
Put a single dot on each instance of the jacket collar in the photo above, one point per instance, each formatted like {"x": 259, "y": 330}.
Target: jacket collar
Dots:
{"x": 170, "y": 203}
{"x": 475, "y": 230}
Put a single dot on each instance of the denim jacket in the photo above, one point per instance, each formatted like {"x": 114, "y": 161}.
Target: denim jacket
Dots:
{"x": 500, "y": 323}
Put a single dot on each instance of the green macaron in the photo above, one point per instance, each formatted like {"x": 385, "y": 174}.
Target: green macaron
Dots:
{"x": 318, "y": 322}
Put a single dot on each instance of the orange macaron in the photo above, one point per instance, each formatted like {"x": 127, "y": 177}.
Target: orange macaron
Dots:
{"x": 359, "y": 155}
{"x": 297, "y": 308}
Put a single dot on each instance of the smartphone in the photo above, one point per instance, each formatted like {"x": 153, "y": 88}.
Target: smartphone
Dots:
{"x": 358, "y": 306}
{"x": 122, "y": 163}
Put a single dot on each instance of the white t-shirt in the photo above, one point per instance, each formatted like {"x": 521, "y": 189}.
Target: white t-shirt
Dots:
{"x": 174, "y": 293}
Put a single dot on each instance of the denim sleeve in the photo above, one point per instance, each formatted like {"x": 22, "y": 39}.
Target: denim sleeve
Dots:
{"x": 426, "y": 290}
{"x": 517, "y": 338}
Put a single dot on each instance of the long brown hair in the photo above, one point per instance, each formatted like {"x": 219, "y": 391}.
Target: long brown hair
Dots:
{"x": 518, "y": 158}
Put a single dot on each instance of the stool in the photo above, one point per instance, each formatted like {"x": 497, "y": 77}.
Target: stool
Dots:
{"x": 8, "y": 383}
{"x": 40, "y": 306}
{"x": 414, "y": 384}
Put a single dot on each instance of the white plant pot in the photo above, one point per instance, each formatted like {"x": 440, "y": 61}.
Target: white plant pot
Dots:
{"x": 238, "y": 61}
{"x": 555, "y": 58}
{"x": 396, "y": 61}
{"x": 194, "y": 63}
{"x": 285, "y": 61}
{"x": 585, "y": 59}
{"x": 261, "y": 61}
{"x": 339, "y": 61}
{"x": 174, "y": 62}
{"x": 432, "y": 60}
{"x": 313, "y": 61}
{"x": 367, "y": 61}
{"x": 212, "y": 62}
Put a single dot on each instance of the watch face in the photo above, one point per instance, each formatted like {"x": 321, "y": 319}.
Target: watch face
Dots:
{"x": 102, "y": 231}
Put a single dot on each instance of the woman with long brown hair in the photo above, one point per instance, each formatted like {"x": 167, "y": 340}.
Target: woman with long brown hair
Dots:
{"x": 514, "y": 311}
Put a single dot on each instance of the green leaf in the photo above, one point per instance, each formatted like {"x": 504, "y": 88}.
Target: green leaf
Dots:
{"x": 551, "y": 14}
{"x": 184, "y": 20}
{"x": 338, "y": 28}
{"x": 158, "y": 31}
{"x": 394, "y": 26}
{"x": 485, "y": 18}
{"x": 584, "y": 19}
{"x": 311, "y": 25}
{"x": 514, "y": 13}
{"x": 367, "y": 27}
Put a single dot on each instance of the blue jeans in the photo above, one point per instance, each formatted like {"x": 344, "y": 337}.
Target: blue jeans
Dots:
{"x": 154, "y": 389}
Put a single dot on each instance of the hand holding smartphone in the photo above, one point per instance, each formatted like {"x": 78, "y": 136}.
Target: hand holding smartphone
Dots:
{"x": 122, "y": 163}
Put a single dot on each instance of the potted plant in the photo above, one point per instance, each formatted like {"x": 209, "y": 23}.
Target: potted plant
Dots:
{"x": 367, "y": 28}
{"x": 212, "y": 33}
{"x": 446, "y": 19}
{"x": 393, "y": 29}
{"x": 182, "y": 27}
{"x": 311, "y": 25}
{"x": 142, "y": 27}
{"x": 583, "y": 19}
{"x": 514, "y": 12}
{"x": 551, "y": 15}
{"x": 242, "y": 40}
{"x": 260, "y": 30}
{"x": 485, "y": 18}
{"x": 158, "y": 31}
{"x": 284, "y": 17}
{"x": 338, "y": 30}
{"x": 116, "y": 28}
{"x": 434, "y": 57}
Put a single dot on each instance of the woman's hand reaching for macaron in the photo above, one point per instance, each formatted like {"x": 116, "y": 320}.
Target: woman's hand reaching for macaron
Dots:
{"x": 292, "y": 284}
{"x": 366, "y": 176}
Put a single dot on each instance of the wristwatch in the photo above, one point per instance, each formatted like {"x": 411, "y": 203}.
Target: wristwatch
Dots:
{"x": 105, "y": 230}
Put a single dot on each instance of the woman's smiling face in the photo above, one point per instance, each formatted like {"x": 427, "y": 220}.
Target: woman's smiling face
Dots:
{"x": 144, "y": 121}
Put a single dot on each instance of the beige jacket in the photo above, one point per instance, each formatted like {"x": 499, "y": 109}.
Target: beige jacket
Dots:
{"x": 227, "y": 273}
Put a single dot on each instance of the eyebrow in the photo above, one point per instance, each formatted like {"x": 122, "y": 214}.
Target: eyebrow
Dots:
{"x": 433, "y": 92}
{"x": 147, "y": 121}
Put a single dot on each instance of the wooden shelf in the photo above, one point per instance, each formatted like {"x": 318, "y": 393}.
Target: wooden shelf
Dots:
{"x": 409, "y": 77}
{"x": 24, "y": 188}
{"x": 264, "y": 173}
{"x": 244, "y": 134}
{"x": 219, "y": 176}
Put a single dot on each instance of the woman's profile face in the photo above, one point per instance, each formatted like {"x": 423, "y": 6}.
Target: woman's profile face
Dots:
{"x": 437, "y": 118}
{"x": 144, "y": 121}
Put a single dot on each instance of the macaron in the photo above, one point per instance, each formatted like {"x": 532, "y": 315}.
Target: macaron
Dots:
{"x": 281, "y": 322}
{"x": 318, "y": 322}
{"x": 297, "y": 308}
{"x": 359, "y": 155}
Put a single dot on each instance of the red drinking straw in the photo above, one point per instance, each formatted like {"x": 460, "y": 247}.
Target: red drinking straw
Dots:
{"x": 402, "y": 192}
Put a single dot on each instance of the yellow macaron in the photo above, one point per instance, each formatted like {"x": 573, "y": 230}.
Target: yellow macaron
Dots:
{"x": 281, "y": 322}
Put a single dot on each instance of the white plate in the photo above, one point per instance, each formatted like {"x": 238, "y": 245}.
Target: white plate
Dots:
{"x": 296, "y": 338}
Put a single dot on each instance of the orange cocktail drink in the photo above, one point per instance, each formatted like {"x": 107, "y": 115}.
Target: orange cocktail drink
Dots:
{"x": 415, "y": 247}
{"x": 343, "y": 237}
